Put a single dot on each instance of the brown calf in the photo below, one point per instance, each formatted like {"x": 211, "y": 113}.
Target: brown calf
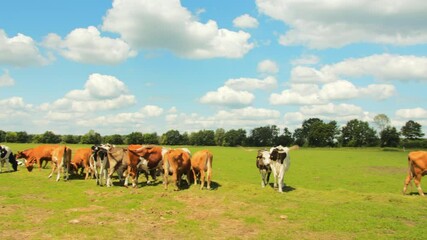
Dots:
{"x": 177, "y": 162}
{"x": 417, "y": 167}
{"x": 201, "y": 163}
{"x": 36, "y": 155}
{"x": 61, "y": 159}
{"x": 81, "y": 159}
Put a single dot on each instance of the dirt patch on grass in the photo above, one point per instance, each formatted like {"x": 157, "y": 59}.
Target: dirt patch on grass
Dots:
{"x": 386, "y": 170}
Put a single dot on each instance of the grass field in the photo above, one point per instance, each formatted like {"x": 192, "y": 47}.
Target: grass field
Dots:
{"x": 330, "y": 194}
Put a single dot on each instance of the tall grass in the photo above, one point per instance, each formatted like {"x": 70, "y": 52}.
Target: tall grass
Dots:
{"x": 330, "y": 194}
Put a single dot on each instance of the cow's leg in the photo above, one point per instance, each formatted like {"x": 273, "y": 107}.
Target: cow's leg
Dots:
{"x": 176, "y": 178}
{"x": 417, "y": 181}
{"x": 53, "y": 170}
{"x": 194, "y": 175}
{"x": 406, "y": 183}
{"x": 202, "y": 178}
{"x": 165, "y": 178}
{"x": 263, "y": 177}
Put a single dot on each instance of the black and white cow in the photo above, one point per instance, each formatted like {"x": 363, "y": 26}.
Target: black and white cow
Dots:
{"x": 280, "y": 162}
{"x": 99, "y": 162}
{"x": 263, "y": 165}
{"x": 7, "y": 157}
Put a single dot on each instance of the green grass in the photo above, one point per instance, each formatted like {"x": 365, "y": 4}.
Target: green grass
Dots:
{"x": 331, "y": 194}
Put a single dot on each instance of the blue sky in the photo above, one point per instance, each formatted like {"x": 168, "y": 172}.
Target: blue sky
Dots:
{"x": 150, "y": 66}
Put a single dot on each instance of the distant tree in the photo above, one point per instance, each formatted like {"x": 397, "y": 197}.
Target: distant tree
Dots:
{"x": 11, "y": 137}
{"x": 203, "y": 138}
{"x": 2, "y": 136}
{"x": 322, "y": 134}
{"x": 171, "y": 137}
{"x": 91, "y": 137}
{"x": 412, "y": 130}
{"x": 219, "y": 136}
{"x": 389, "y": 137}
{"x": 72, "y": 139}
{"x": 299, "y": 137}
{"x": 49, "y": 137}
{"x": 22, "y": 137}
{"x": 382, "y": 121}
{"x": 264, "y": 136}
{"x": 150, "y": 138}
{"x": 358, "y": 133}
{"x": 285, "y": 139}
{"x": 234, "y": 138}
{"x": 185, "y": 139}
{"x": 114, "y": 139}
{"x": 134, "y": 138}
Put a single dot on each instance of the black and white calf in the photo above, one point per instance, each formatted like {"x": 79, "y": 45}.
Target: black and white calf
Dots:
{"x": 99, "y": 163}
{"x": 7, "y": 157}
{"x": 263, "y": 165}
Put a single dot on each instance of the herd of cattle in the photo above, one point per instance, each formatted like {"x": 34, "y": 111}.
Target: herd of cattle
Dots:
{"x": 102, "y": 161}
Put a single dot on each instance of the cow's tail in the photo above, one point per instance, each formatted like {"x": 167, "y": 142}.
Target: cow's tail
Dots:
{"x": 209, "y": 160}
{"x": 410, "y": 171}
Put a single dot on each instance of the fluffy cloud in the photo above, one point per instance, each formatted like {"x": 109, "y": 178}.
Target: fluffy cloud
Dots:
{"x": 252, "y": 83}
{"x": 298, "y": 94}
{"x": 14, "y": 109}
{"x": 325, "y": 24}
{"x": 101, "y": 92}
{"x": 412, "y": 113}
{"x": 306, "y": 60}
{"x": 268, "y": 66}
{"x": 228, "y": 96}
{"x": 86, "y": 45}
{"x": 20, "y": 51}
{"x": 6, "y": 80}
{"x": 385, "y": 67}
{"x": 166, "y": 24}
{"x": 245, "y": 21}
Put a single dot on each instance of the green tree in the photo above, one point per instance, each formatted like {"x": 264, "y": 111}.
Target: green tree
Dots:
{"x": 357, "y": 133}
{"x": 49, "y": 137}
{"x": 263, "y": 136}
{"x": 219, "y": 137}
{"x": 11, "y": 137}
{"x": 389, "y": 137}
{"x": 299, "y": 137}
{"x": 150, "y": 138}
{"x": 285, "y": 139}
{"x": 91, "y": 137}
{"x": 322, "y": 134}
{"x": 171, "y": 137}
{"x": 134, "y": 138}
{"x": 382, "y": 121}
{"x": 70, "y": 139}
{"x": 412, "y": 130}
{"x": 234, "y": 138}
{"x": 2, "y": 136}
{"x": 203, "y": 138}
{"x": 114, "y": 139}
{"x": 22, "y": 137}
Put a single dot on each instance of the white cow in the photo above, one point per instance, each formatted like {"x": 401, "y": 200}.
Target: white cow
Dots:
{"x": 280, "y": 163}
{"x": 7, "y": 157}
{"x": 263, "y": 164}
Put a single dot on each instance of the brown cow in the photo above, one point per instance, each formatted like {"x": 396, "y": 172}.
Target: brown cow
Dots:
{"x": 152, "y": 159}
{"x": 201, "y": 163}
{"x": 61, "y": 159}
{"x": 177, "y": 162}
{"x": 36, "y": 155}
{"x": 417, "y": 167}
{"x": 81, "y": 159}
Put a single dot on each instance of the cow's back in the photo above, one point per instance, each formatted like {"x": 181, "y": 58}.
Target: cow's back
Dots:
{"x": 200, "y": 160}
{"x": 418, "y": 159}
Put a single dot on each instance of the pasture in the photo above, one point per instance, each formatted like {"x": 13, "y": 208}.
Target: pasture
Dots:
{"x": 330, "y": 194}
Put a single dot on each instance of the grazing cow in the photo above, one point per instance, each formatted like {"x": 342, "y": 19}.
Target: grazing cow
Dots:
{"x": 417, "y": 167}
{"x": 280, "y": 162}
{"x": 61, "y": 160}
{"x": 118, "y": 160}
{"x": 263, "y": 165}
{"x": 7, "y": 157}
{"x": 201, "y": 163}
{"x": 36, "y": 155}
{"x": 99, "y": 163}
{"x": 81, "y": 160}
{"x": 176, "y": 162}
{"x": 152, "y": 159}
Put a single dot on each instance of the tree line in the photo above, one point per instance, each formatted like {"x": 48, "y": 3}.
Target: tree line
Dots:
{"x": 314, "y": 132}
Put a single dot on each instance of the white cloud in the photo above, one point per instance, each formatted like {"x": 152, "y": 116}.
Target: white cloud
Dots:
{"x": 20, "y": 50}
{"x": 379, "y": 91}
{"x": 227, "y": 96}
{"x": 306, "y": 60}
{"x": 152, "y": 111}
{"x": 268, "y": 66}
{"x": 412, "y": 113}
{"x": 385, "y": 67}
{"x": 14, "y": 110}
{"x": 101, "y": 92}
{"x": 332, "y": 109}
{"x": 252, "y": 83}
{"x": 6, "y": 80}
{"x": 339, "y": 90}
{"x": 299, "y": 94}
{"x": 86, "y": 45}
{"x": 325, "y": 24}
{"x": 165, "y": 24}
{"x": 245, "y": 21}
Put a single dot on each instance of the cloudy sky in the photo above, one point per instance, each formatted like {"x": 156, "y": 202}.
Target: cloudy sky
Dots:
{"x": 119, "y": 66}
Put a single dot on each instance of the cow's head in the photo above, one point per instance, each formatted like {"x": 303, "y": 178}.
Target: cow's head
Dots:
{"x": 263, "y": 159}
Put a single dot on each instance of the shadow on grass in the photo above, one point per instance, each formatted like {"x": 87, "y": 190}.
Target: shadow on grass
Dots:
{"x": 286, "y": 188}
